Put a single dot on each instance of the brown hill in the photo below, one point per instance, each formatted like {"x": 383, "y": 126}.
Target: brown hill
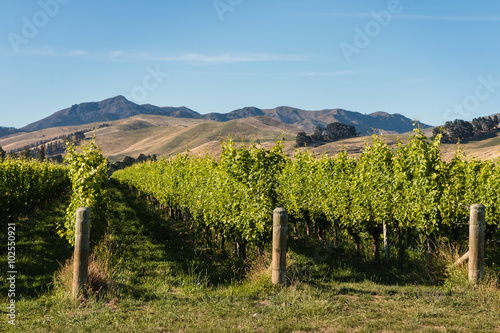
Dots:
{"x": 104, "y": 111}
{"x": 164, "y": 136}
{"x": 119, "y": 107}
{"x": 381, "y": 122}
{"x": 160, "y": 135}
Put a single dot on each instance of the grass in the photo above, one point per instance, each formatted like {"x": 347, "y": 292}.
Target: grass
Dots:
{"x": 40, "y": 252}
{"x": 154, "y": 279}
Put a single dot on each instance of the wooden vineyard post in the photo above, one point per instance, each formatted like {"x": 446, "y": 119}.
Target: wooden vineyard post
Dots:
{"x": 386, "y": 242}
{"x": 280, "y": 229}
{"x": 476, "y": 243}
{"x": 81, "y": 254}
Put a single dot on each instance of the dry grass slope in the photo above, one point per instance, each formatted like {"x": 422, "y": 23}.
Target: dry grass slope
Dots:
{"x": 165, "y": 136}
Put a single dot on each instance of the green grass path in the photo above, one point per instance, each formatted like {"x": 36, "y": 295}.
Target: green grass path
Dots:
{"x": 161, "y": 283}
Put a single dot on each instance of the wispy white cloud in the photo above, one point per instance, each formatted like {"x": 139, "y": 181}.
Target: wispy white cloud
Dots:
{"x": 235, "y": 58}
{"x": 78, "y": 53}
{"x": 450, "y": 18}
{"x": 332, "y": 73}
{"x": 418, "y": 17}
{"x": 38, "y": 51}
{"x": 226, "y": 58}
{"x": 114, "y": 54}
{"x": 414, "y": 80}
{"x": 405, "y": 81}
{"x": 197, "y": 58}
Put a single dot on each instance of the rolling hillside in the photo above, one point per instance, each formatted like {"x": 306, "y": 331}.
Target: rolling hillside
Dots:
{"x": 164, "y": 136}
{"x": 111, "y": 109}
{"x": 161, "y": 135}
{"x": 124, "y": 129}
{"x": 381, "y": 122}
{"x": 119, "y": 107}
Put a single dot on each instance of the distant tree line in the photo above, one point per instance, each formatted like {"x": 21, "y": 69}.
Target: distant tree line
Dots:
{"x": 50, "y": 149}
{"x": 129, "y": 161}
{"x": 40, "y": 154}
{"x": 459, "y": 129}
{"x": 332, "y": 132}
{"x": 57, "y": 145}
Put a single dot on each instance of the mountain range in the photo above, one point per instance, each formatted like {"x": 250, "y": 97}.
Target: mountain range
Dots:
{"x": 123, "y": 128}
{"x": 119, "y": 107}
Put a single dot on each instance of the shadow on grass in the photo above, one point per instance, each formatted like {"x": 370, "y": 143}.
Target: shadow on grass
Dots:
{"x": 40, "y": 252}
{"x": 320, "y": 262}
{"x": 149, "y": 245}
{"x": 141, "y": 240}
{"x": 143, "y": 230}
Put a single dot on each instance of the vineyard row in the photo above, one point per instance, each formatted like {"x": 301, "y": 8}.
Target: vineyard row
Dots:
{"x": 409, "y": 190}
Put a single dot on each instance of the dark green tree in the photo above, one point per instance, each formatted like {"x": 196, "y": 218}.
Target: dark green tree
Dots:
{"x": 142, "y": 158}
{"x": 49, "y": 149}
{"x": 337, "y": 131}
{"x": 436, "y": 131}
{"x": 79, "y": 136}
{"x": 302, "y": 139}
{"x": 58, "y": 159}
{"x": 487, "y": 123}
{"x": 318, "y": 134}
{"x": 128, "y": 161}
{"x": 41, "y": 153}
{"x": 477, "y": 124}
{"x": 26, "y": 153}
{"x": 458, "y": 129}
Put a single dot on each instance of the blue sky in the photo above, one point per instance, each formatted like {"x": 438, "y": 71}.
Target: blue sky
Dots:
{"x": 427, "y": 59}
